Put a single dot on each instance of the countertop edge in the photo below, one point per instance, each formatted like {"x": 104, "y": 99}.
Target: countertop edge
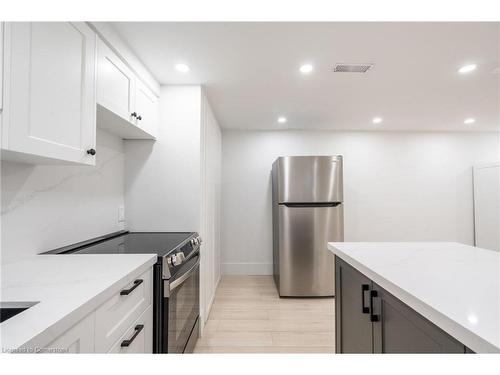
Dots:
{"x": 454, "y": 329}
{"x": 52, "y": 332}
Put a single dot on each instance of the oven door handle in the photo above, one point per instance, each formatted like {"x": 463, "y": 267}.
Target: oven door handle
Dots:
{"x": 178, "y": 282}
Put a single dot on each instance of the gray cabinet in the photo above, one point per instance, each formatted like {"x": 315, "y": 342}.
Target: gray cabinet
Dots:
{"x": 353, "y": 328}
{"x": 371, "y": 320}
{"x": 402, "y": 330}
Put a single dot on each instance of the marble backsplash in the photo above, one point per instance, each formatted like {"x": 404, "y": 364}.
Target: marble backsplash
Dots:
{"x": 49, "y": 206}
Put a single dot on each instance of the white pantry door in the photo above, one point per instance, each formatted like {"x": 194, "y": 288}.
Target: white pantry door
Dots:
{"x": 50, "y": 80}
{"x": 211, "y": 149}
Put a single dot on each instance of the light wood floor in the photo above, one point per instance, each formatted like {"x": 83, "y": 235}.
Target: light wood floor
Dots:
{"x": 248, "y": 316}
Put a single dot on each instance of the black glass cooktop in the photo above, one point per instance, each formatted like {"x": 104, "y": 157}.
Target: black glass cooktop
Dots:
{"x": 160, "y": 243}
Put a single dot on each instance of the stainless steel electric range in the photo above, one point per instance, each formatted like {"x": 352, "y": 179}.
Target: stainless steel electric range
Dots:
{"x": 176, "y": 285}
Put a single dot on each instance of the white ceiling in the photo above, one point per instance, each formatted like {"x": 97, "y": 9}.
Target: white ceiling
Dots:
{"x": 250, "y": 71}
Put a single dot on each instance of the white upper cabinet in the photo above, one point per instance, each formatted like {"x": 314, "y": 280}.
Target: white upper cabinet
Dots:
{"x": 115, "y": 83}
{"x": 147, "y": 108}
{"x": 126, "y": 106}
{"x": 49, "y": 86}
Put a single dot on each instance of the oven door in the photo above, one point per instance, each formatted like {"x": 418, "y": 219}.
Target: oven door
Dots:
{"x": 182, "y": 302}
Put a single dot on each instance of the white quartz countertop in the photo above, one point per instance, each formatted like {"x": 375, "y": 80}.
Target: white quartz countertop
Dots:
{"x": 455, "y": 286}
{"x": 66, "y": 287}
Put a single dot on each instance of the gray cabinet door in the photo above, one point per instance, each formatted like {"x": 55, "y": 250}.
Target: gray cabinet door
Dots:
{"x": 352, "y": 324}
{"x": 400, "y": 329}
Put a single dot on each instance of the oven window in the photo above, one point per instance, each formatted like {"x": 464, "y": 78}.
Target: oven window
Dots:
{"x": 183, "y": 310}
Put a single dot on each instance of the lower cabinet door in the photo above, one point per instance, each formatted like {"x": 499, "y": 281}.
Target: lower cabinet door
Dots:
{"x": 115, "y": 316}
{"x": 400, "y": 329}
{"x": 139, "y": 337}
{"x": 77, "y": 339}
{"x": 352, "y": 322}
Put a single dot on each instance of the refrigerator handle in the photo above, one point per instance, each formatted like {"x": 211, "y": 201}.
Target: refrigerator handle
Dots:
{"x": 312, "y": 204}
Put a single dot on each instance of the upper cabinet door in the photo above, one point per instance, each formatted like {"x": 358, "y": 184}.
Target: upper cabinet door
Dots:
{"x": 49, "y": 91}
{"x": 147, "y": 108}
{"x": 115, "y": 83}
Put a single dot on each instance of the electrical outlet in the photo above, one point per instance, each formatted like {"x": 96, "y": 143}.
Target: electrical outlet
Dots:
{"x": 121, "y": 214}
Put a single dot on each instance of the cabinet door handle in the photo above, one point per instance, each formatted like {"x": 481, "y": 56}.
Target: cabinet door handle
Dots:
{"x": 138, "y": 328}
{"x": 373, "y": 317}
{"x": 126, "y": 292}
{"x": 91, "y": 151}
{"x": 139, "y": 117}
{"x": 133, "y": 114}
{"x": 364, "y": 288}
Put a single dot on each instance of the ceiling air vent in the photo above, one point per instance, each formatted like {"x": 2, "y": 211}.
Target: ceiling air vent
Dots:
{"x": 352, "y": 68}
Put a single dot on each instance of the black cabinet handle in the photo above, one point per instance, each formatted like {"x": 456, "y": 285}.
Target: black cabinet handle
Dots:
{"x": 139, "y": 118}
{"x": 126, "y": 292}
{"x": 133, "y": 114}
{"x": 373, "y": 317}
{"x": 364, "y": 288}
{"x": 91, "y": 151}
{"x": 138, "y": 328}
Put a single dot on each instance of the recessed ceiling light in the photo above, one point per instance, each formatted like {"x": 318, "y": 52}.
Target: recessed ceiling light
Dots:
{"x": 281, "y": 119}
{"x": 467, "y": 68}
{"x": 377, "y": 120}
{"x": 469, "y": 121}
{"x": 183, "y": 68}
{"x": 306, "y": 68}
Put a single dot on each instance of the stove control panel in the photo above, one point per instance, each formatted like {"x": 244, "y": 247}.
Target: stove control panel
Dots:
{"x": 179, "y": 257}
{"x": 196, "y": 241}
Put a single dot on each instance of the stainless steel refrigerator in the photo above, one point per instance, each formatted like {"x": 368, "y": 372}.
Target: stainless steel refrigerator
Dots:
{"x": 307, "y": 214}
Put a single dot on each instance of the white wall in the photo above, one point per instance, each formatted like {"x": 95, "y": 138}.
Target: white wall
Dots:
{"x": 162, "y": 182}
{"x": 49, "y": 206}
{"x": 397, "y": 187}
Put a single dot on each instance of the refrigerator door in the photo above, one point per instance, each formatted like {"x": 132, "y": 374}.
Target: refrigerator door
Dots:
{"x": 306, "y": 267}
{"x": 309, "y": 179}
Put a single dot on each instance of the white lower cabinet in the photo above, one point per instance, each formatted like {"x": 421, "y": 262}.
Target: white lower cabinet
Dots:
{"x": 122, "y": 324}
{"x": 77, "y": 339}
{"x": 138, "y": 338}
{"x": 115, "y": 316}
{"x": 49, "y": 85}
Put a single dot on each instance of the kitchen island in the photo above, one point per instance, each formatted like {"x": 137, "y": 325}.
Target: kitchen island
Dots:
{"x": 416, "y": 297}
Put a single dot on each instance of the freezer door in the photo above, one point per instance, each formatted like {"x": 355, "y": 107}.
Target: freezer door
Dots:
{"x": 306, "y": 266}
{"x": 309, "y": 179}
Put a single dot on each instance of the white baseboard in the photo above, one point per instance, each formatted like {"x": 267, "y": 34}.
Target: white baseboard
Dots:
{"x": 247, "y": 268}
